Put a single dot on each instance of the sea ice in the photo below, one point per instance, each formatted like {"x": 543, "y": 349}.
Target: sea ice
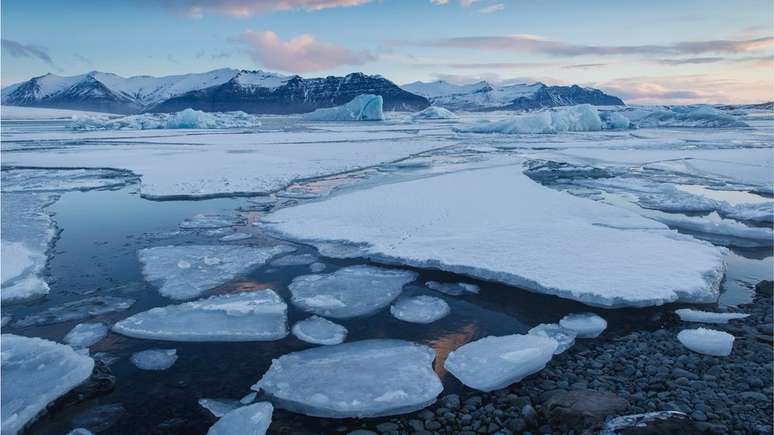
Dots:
{"x": 369, "y": 378}
{"x": 86, "y": 334}
{"x": 219, "y": 407}
{"x": 246, "y": 420}
{"x": 434, "y": 112}
{"x": 364, "y": 107}
{"x": 492, "y": 363}
{"x": 583, "y": 117}
{"x": 392, "y": 223}
{"x": 235, "y": 237}
{"x": 77, "y": 310}
{"x": 452, "y": 289}
{"x": 185, "y": 272}
{"x": 689, "y": 315}
{"x": 420, "y": 309}
{"x": 35, "y": 373}
{"x": 317, "y": 330}
{"x": 188, "y": 118}
{"x": 349, "y": 292}
{"x": 250, "y": 316}
{"x": 707, "y": 341}
{"x": 564, "y": 336}
{"x": 585, "y": 325}
{"x": 294, "y": 260}
{"x": 58, "y": 180}
{"x": 154, "y": 359}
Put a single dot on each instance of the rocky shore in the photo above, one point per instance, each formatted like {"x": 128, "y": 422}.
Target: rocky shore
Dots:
{"x": 583, "y": 389}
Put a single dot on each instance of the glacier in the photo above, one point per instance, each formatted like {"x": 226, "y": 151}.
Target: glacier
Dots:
{"x": 369, "y": 378}
{"x": 154, "y": 359}
{"x": 248, "y": 316}
{"x": 365, "y": 107}
{"x": 246, "y": 420}
{"x": 420, "y": 309}
{"x": 318, "y": 330}
{"x": 707, "y": 341}
{"x": 187, "y": 119}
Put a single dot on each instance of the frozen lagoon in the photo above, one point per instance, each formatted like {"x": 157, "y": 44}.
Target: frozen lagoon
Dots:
{"x": 107, "y": 255}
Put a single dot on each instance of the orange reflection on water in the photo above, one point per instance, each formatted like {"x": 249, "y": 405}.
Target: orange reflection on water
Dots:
{"x": 449, "y": 342}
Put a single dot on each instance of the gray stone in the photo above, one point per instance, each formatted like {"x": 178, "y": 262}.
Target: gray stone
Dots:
{"x": 387, "y": 427}
{"x": 582, "y": 408}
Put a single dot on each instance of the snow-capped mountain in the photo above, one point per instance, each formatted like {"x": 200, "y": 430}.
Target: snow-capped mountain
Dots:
{"x": 218, "y": 90}
{"x": 485, "y": 96}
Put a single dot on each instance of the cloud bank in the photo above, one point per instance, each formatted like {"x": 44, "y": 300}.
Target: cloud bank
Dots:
{"x": 249, "y": 8}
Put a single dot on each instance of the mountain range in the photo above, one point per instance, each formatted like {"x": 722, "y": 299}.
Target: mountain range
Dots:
{"x": 270, "y": 93}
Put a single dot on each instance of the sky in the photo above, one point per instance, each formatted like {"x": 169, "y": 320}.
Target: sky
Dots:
{"x": 646, "y": 52}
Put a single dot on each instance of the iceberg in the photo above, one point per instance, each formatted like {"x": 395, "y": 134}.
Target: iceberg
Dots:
{"x": 420, "y": 309}
{"x": 492, "y": 363}
{"x": 583, "y": 117}
{"x": 690, "y": 116}
{"x": 434, "y": 112}
{"x": 246, "y": 420}
{"x": 564, "y": 336}
{"x": 154, "y": 359}
{"x": 393, "y": 223}
{"x": 369, "y": 378}
{"x": 585, "y": 325}
{"x": 250, "y": 316}
{"x": 707, "y": 341}
{"x": 452, "y": 289}
{"x": 188, "y": 118}
{"x": 86, "y": 334}
{"x": 35, "y": 373}
{"x": 349, "y": 292}
{"x": 364, "y": 107}
{"x": 218, "y": 407}
{"x": 185, "y": 272}
{"x": 77, "y": 310}
{"x": 317, "y": 330}
{"x": 689, "y": 315}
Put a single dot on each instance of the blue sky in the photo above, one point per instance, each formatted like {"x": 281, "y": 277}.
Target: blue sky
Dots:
{"x": 647, "y": 52}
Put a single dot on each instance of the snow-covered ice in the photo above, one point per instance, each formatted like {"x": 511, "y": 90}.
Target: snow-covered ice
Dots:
{"x": 707, "y": 341}
{"x": 35, "y": 373}
{"x": 420, "y": 309}
{"x": 393, "y": 223}
{"x": 185, "y": 272}
{"x": 491, "y": 363}
{"x": 77, "y": 310}
{"x": 188, "y": 118}
{"x": 294, "y": 260}
{"x": 247, "y": 420}
{"x": 452, "y": 288}
{"x": 364, "y": 107}
{"x": 368, "y": 378}
{"x": 219, "y": 407}
{"x": 349, "y": 292}
{"x": 154, "y": 359}
{"x": 690, "y": 315}
{"x": 435, "y": 112}
{"x": 317, "y": 330}
{"x": 86, "y": 334}
{"x": 585, "y": 325}
{"x": 250, "y": 316}
{"x": 583, "y": 117}
{"x": 564, "y": 336}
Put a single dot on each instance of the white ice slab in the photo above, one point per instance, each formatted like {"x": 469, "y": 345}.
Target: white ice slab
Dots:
{"x": 492, "y": 363}
{"x": 35, "y": 373}
{"x": 219, "y": 407}
{"x": 317, "y": 330}
{"x": 707, "y": 341}
{"x": 249, "y": 316}
{"x": 420, "y": 309}
{"x": 585, "y": 325}
{"x": 368, "y": 378}
{"x": 86, "y": 334}
{"x": 690, "y": 315}
{"x": 246, "y": 420}
{"x": 154, "y": 359}
{"x": 564, "y": 336}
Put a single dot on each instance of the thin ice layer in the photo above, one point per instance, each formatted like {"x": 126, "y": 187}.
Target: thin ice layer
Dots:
{"x": 250, "y": 316}
{"x": 368, "y": 378}
{"x": 35, "y": 373}
{"x": 423, "y": 223}
{"x": 185, "y": 272}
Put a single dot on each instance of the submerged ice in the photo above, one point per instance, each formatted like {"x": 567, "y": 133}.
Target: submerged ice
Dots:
{"x": 154, "y": 359}
{"x": 86, "y": 334}
{"x": 364, "y": 107}
{"x": 76, "y": 310}
{"x": 317, "y": 330}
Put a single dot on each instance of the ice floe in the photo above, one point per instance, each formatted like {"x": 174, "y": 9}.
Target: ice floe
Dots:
{"x": 35, "y": 373}
{"x": 420, "y": 309}
{"x": 585, "y": 325}
{"x": 690, "y": 315}
{"x": 77, "y": 310}
{"x": 491, "y": 363}
{"x": 349, "y": 292}
{"x": 154, "y": 359}
{"x": 185, "y": 272}
{"x": 188, "y": 118}
{"x": 86, "y": 334}
{"x": 707, "y": 341}
{"x": 434, "y": 112}
{"x": 250, "y": 316}
{"x": 564, "y": 336}
{"x": 368, "y": 378}
{"x": 452, "y": 289}
{"x": 364, "y": 107}
{"x": 246, "y": 420}
{"x": 317, "y": 330}
{"x": 219, "y": 407}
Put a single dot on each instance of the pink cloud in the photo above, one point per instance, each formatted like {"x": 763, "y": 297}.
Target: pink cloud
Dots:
{"x": 299, "y": 55}
{"x": 688, "y": 89}
{"x": 248, "y": 8}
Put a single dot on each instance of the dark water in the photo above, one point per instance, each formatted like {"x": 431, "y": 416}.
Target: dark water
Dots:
{"x": 96, "y": 254}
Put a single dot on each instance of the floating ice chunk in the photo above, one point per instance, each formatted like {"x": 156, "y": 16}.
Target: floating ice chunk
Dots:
{"x": 35, "y": 373}
{"x": 585, "y": 325}
{"x": 434, "y": 112}
{"x": 317, "y": 330}
{"x": 187, "y": 118}
{"x": 369, "y": 378}
{"x": 219, "y": 407}
{"x": 294, "y": 260}
{"x": 77, "y": 310}
{"x": 339, "y": 250}
{"x": 251, "y": 316}
{"x": 725, "y": 231}
{"x": 209, "y": 221}
{"x": 154, "y": 359}
{"x": 317, "y": 267}
{"x": 689, "y": 315}
{"x": 247, "y": 420}
{"x": 235, "y": 237}
{"x": 184, "y": 272}
{"x": 364, "y": 107}
{"x": 248, "y": 398}
{"x": 86, "y": 334}
{"x": 583, "y": 117}
{"x": 420, "y": 309}
{"x": 452, "y": 289}
{"x": 492, "y": 363}
{"x": 100, "y": 418}
{"x": 349, "y": 292}
{"x": 564, "y": 336}
{"x": 690, "y": 116}
{"x": 707, "y": 341}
